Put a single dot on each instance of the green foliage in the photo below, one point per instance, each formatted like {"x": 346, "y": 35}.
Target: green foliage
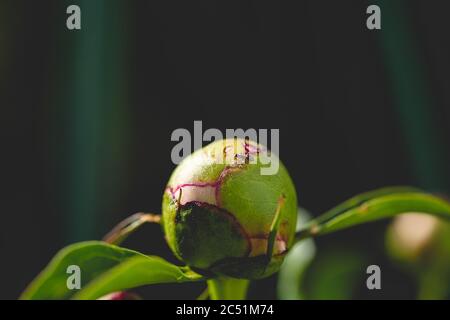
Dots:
{"x": 375, "y": 205}
{"x": 108, "y": 268}
{"x": 104, "y": 269}
{"x": 335, "y": 274}
{"x": 298, "y": 260}
{"x": 292, "y": 273}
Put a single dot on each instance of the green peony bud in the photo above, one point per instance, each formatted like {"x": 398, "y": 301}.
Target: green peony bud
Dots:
{"x": 222, "y": 216}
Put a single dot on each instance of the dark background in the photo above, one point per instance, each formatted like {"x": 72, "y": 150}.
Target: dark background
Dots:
{"x": 87, "y": 115}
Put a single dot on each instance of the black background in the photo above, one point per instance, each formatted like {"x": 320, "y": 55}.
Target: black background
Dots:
{"x": 309, "y": 68}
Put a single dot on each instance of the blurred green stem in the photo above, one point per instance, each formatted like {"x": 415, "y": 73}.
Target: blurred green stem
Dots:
{"x": 413, "y": 96}
{"x": 228, "y": 289}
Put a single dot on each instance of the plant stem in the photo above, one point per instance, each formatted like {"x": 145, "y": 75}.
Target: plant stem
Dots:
{"x": 130, "y": 225}
{"x": 227, "y": 288}
{"x": 204, "y": 295}
{"x": 308, "y": 232}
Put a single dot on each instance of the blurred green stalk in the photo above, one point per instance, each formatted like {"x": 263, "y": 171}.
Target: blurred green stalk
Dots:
{"x": 413, "y": 100}
{"x": 94, "y": 115}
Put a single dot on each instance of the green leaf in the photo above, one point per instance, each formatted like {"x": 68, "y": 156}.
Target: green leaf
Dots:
{"x": 135, "y": 272}
{"x": 298, "y": 260}
{"x": 358, "y": 200}
{"x": 335, "y": 274}
{"x": 375, "y": 205}
{"x": 293, "y": 269}
{"x": 104, "y": 269}
{"x": 274, "y": 228}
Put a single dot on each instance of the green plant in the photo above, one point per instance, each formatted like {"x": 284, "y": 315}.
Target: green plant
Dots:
{"x": 226, "y": 222}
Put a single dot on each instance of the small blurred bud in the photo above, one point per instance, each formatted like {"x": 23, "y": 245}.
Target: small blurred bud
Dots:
{"x": 410, "y": 234}
{"x": 121, "y": 295}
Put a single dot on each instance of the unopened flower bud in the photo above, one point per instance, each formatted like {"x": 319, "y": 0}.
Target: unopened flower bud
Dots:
{"x": 222, "y": 216}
